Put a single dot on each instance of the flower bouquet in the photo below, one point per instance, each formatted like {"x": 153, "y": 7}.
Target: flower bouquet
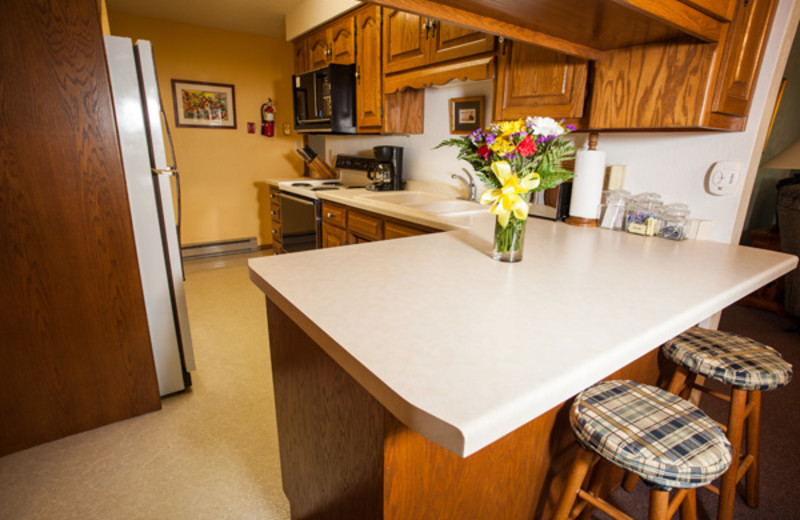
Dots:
{"x": 513, "y": 159}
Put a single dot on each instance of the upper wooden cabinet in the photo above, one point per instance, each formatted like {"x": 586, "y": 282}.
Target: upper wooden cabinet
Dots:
{"x": 720, "y": 9}
{"x": 583, "y": 28}
{"x": 369, "y": 80}
{"x": 684, "y": 84}
{"x": 534, "y": 81}
{"x": 412, "y": 41}
{"x": 332, "y": 43}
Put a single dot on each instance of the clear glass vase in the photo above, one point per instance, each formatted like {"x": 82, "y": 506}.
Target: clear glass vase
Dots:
{"x": 509, "y": 240}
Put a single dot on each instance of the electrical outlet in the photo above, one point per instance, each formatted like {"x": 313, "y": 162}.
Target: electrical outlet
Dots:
{"x": 723, "y": 178}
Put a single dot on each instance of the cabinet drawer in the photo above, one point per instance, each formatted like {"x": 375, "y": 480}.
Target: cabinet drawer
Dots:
{"x": 274, "y": 196}
{"x": 364, "y": 225}
{"x": 333, "y": 214}
{"x": 275, "y": 212}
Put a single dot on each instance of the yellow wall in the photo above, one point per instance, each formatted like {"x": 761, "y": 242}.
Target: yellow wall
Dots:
{"x": 221, "y": 170}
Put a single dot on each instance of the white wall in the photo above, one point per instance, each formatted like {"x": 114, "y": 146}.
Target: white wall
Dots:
{"x": 672, "y": 164}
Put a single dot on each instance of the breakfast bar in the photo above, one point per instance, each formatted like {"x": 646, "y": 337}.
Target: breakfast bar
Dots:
{"x": 419, "y": 378}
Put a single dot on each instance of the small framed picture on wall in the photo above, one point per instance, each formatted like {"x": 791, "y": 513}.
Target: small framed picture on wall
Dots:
{"x": 203, "y": 105}
{"x": 466, "y": 114}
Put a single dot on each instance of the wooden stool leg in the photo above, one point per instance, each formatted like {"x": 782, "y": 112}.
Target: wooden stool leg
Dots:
{"x": 753, "y": 445}
{"x": 659, "y": 504}
{"x": 580, "y": 466}
{"x": 727, "y": 488}
{"x": 689, "y": 506}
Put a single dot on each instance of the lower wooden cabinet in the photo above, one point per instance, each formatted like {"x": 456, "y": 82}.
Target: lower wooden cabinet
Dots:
{"x": 275, "y": 216}
{"x": 342, "y": 225}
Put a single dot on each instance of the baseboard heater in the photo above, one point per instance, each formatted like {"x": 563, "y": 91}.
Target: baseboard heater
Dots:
{"x": 224, "y": 247}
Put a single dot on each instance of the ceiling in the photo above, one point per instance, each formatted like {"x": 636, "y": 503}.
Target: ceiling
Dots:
{"x": 253, "y": 16}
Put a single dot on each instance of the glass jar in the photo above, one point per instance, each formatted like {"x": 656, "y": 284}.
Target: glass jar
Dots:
{"x": 612, "y": 209}
{"x": 643, "y": 214}
{"x": 675, "y": 219}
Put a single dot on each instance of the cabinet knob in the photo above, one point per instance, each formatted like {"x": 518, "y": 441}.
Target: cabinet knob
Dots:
{"x": 273, "y": 212}
{"x": 329, "y": 215}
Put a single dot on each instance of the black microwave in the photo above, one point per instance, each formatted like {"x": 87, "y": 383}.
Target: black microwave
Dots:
{"x": 325, "y": 100}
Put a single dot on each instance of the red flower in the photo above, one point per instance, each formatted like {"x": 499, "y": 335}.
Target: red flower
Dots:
{"x": 526, "y": 147}
{"x": 485, "y": 152}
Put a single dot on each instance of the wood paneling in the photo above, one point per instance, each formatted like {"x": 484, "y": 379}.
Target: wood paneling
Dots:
{"x": 450, "y": 42}
{"x": 534, "y": 81}
{"x": 330, "y": 433}
{"x": 720, "y": 9}
{"x": 76, "y": 350}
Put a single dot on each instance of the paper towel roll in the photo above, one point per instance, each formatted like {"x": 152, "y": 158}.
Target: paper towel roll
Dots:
{"x": 587, "y": 185}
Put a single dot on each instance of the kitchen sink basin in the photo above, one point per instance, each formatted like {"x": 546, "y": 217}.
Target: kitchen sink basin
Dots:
{"x": 404, "y": 198}
{"x": 448, "y": 207}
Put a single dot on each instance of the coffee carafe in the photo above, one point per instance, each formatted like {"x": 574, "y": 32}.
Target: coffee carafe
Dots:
{"x": 387, "y": 173}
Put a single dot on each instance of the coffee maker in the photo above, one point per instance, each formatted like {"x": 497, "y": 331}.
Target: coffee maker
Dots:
{"x": 387, "y": 172}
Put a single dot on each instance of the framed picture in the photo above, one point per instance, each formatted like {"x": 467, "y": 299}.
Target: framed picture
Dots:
{"x": 466, "y": 114}
{"x": 203, "y": 105}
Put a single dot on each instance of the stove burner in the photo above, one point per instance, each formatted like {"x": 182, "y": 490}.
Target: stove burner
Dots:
{"x": 331, "y": 183}
{"x": 300, "y": 184}
{"x": 323, "y": 188}
{"x": 355, "y": 187}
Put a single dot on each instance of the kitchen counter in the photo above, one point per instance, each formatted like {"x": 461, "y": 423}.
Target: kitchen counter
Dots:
{"x": 465, "y": 350}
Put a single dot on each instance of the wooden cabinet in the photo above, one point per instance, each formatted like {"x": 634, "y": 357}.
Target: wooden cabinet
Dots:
{"x": 369, "y": 84}
{"x": 534, "y": 81}
{"x": 334, "y": 42}
{"x": 744, "y": 49}
{"x": 683, "y": 84}
{"x": 411, "y": 41}
{"x": 720, "y": 9}
{"x": 275, "y": 216}
{"x": 342, "y": 225}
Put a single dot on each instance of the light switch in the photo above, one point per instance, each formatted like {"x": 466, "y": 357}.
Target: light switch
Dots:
{"x": 723, "y": 177}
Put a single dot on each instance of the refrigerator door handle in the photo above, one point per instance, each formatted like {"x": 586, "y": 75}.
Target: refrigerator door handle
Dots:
{"x": 174, "y": 163}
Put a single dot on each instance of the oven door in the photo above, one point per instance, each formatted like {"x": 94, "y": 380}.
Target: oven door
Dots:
{"x": 298, "y": 223}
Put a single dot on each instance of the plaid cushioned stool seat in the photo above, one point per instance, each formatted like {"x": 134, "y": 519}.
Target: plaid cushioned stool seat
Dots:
{"x": 664, "y": 439}
{"x": 732, "y": 359}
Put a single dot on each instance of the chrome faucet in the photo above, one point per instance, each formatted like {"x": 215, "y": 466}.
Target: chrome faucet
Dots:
{"x": 469, "y": 183}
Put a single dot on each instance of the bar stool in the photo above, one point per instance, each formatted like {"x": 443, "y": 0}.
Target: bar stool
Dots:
{"x": 666, "y": 440}
{"x": 748, "y": 367}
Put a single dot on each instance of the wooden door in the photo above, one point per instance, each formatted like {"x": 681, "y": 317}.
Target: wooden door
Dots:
{"x": 744, "y": 50}
{"x": 333, "y": 236}
{"x": 301, "y": 55}
{"x": 342, "y": 41}
{"x": 75, "y": 351}
{"x": 534, "y": 81}
{"x": 450, "y": 42}
{"x": 369, "y": 80}
{"x": 318, "y": 49}
{"x": 405, "y": 40}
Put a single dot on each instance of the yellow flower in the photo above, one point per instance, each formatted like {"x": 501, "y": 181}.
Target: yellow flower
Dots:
{"x": 506, "y": 200}
{"x": 510, "y": 127}
{"x": 502, "y": 146}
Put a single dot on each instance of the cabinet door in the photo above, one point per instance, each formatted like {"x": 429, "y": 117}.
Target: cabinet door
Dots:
{"x": 363, "y": 227}
{"x": 300, "y": 55}
{"x": 396, "y": 230}
{"x": 342, "y": 41}
{"x": 318, "y": 49}
{"x": 450, "y": 42}
{"x": 369, "y": 85}
{"x": 405, "y": 38}
{"x": 744, "y": 49}
{"x": 534, "y": 81}
{"x": 333, "y": 236}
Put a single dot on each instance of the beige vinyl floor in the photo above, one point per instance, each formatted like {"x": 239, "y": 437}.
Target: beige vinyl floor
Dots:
{"x": 210, "y": 453}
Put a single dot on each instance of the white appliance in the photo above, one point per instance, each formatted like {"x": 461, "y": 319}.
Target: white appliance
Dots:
{"x": 149, "y": 178}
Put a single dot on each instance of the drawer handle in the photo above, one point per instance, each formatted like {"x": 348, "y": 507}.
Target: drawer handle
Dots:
{"x": 273, "y": 212}
{"x": 329, "y": 215}
{"x": 274, "y": 231}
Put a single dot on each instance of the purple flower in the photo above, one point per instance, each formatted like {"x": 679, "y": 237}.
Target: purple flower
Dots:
{"x": 571, "y": 128}
{"x": 490, "y": 138}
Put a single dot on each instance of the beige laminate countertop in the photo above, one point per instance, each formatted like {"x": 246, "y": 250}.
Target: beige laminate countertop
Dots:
{"x": 464, "y": 349}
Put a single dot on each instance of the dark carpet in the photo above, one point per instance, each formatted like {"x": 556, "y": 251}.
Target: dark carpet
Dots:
{"x": 780, "y": 430}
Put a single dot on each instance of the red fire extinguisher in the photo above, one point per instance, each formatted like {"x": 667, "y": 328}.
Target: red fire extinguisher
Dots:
{"x": 267, "y": 119}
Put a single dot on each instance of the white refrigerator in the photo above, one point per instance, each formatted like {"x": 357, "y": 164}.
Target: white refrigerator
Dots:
{"x": 141, "y": 126}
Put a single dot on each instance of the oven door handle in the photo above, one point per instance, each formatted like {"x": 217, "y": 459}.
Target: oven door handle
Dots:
{"x": 299, "y": 200}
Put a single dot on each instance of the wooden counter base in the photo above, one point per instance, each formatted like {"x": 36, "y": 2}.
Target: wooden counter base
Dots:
{"x": 344, "y": 456}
